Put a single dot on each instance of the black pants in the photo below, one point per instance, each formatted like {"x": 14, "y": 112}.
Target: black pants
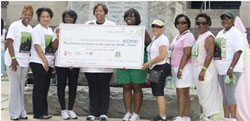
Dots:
{"x": 99, "y": 92}
{"x": 40, "y": 90}
{"x": 158, "y": 89}
{"x": 64, "y": 74}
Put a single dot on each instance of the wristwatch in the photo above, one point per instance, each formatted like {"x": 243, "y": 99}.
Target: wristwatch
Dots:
{"x": 231, "y": 67}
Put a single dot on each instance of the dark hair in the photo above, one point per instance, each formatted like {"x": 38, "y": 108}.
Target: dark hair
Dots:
{"x": 204, "y": 15}
{"x": 40, "y": 10}
{"x": 2, "y": 25}
{"x": 135, "y": 13}
{"x": 186, "y": 19}
{"x": 71, "y": 13}
{"x": 104, "y": 7}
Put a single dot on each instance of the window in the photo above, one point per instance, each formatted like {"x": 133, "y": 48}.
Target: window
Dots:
{"x": 216, "y": 4}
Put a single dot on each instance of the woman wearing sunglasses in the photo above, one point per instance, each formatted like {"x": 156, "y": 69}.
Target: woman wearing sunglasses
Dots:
{"x": 229, "y": 62}
{"x": 157, "y": 59}
{"x": 205, "y": 74}
{"x": 181, "y": 65}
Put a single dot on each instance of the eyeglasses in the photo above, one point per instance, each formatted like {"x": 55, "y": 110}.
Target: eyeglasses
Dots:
{"x": 156, "y": 26}
{"x": 181, "y": 22}
{"x": 201, "y": 23}
{"x": 225, "y": 18}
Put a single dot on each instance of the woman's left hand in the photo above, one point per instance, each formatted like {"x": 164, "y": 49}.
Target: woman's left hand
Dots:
{"x": 230, "y": 73}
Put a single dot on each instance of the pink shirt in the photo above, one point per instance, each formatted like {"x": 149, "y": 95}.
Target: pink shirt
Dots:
{"x": 186, "y": 39}
{"x": 199, "y": 52}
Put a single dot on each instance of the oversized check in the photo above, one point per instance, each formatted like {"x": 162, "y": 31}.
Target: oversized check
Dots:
{"x": 101, "y": 46}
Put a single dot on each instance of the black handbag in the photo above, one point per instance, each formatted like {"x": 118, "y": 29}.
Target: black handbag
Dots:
{"x": 155, "y": 76}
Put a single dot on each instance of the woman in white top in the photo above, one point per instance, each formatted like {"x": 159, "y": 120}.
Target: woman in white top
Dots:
{"x": 17, "y": 61}
{"x": 229, "y": 62}
{"x": 99, "y": 78}
{"x": 157, "y": 59}
{"x": 204, "y": 71}
{"x": 41, "y": 62}
{"x": 66, "y": 73}
{"x": 3, "y": 37}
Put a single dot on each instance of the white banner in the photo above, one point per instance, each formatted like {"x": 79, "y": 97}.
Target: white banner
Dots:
{"x": 101, "y": 46}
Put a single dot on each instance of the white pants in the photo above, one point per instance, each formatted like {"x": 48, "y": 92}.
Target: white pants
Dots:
{"x": 208, "y": 90}
{"x": 16, "y": 94}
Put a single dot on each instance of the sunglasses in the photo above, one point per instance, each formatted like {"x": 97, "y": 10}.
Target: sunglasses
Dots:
{"x": 201, "y": 23}
{"x": 182, "y": 23}
{"x": 225, "y": 18}
{"x": 156, "y": 26}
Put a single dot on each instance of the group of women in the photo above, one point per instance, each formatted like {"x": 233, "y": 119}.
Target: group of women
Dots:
{"x": 203, "y": 63}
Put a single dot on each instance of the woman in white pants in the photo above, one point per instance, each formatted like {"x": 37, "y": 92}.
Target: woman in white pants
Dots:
{"x": 17, "y": 61}
{"x": 204, "y": 70}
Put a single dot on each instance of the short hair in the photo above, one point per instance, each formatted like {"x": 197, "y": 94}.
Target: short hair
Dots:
{"x": 104, "y": 7}
{"x": 71, "y": 13}
{"x": 204, "y": 15}
{"x": 27, "y": 7}
{"x": 186, "y": 19}
{"x": 135, "y": 13}
{"x": 40, "y": 10}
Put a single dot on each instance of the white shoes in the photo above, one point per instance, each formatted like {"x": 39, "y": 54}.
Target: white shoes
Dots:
{"x": 178, "y": 118}
{"x": 228, "y": 119}
{"x": 72, "y": 114}
{"x": 126, "y": 117}
{"x": 103, "y": 118}
{"x": 65, "y": 115}
{"x": 232, "y": 119}
{"x": 205, "y": 119}
{"x": 68, "y": 114}
{"x": 187, "y": 118}
{"x": 225, "y": 119}
{"x": 134, "y": 117}
{"x": 90, "y": 118}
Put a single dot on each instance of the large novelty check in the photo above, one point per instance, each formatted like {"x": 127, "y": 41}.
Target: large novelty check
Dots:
{"x": 101, "y": 46}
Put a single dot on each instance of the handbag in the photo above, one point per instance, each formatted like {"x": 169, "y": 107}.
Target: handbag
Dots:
{"x": 155, "y": 76}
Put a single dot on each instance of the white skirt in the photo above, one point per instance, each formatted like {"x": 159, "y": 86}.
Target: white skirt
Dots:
{"x": 187, "y": 79}
{"x": 208, "y": 90}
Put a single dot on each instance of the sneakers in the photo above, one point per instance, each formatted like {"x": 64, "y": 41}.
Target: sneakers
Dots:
{"x": 126, "y": 117}
{"x": 178, "y": 118}
{"x": 158, "y": 118}
{"x": 205, "y": 119}
{"x": 103, "y": 117}
{"x": 72, "y": 114}
{"x": 90, "y": 118}
{"x": 225, "y": 119}
{"x": 232, "y": 119}
{"x": 65, "y": 115}
{"x": 134, "y": 117}
{"x": 187, "y": 118}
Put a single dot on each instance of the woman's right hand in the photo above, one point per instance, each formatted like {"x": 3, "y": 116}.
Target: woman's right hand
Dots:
{"x": 179, "y": 74}
{"x": 46, "y": 66}
{"x": 57, "y": 32}
{"x": 14, "y": 64}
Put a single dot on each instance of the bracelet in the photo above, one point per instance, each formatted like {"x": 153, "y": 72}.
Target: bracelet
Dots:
{"x": 231, "y": 68}
{"x": 13, "y": 57}
{"x": 205, "y": 68}
{"x": 57, "y": 37}
{"x": 180, "y": 70}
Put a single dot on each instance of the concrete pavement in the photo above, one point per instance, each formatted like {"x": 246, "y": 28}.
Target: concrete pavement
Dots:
{"x": 5, "y": 102}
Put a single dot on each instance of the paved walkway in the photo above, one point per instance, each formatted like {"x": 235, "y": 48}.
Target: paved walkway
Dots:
{"x": 5, "y": 102}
